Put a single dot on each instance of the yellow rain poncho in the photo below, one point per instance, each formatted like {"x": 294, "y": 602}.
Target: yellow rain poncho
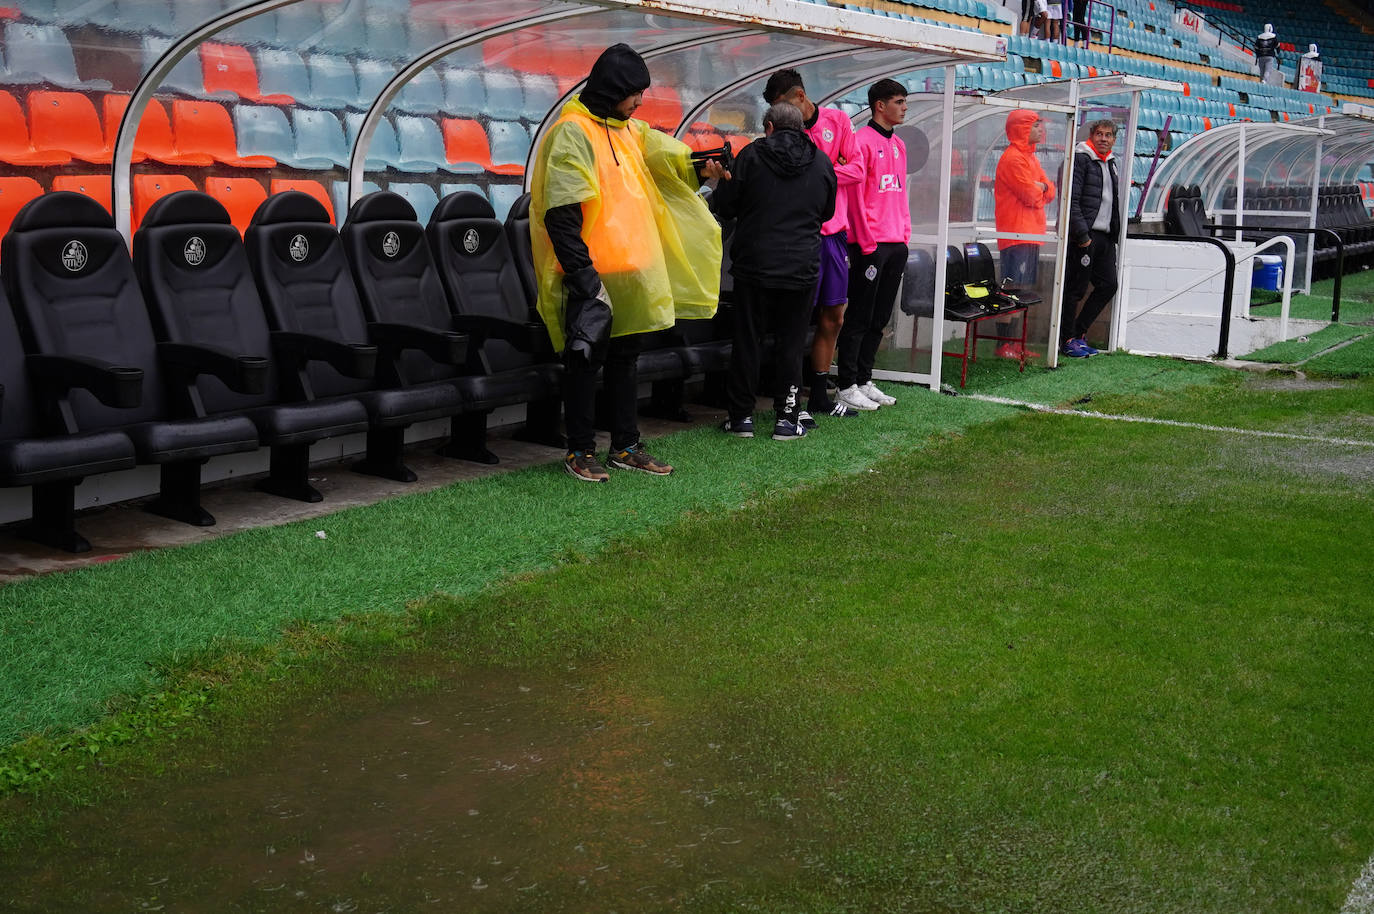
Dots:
{"x": 652, "y": 239}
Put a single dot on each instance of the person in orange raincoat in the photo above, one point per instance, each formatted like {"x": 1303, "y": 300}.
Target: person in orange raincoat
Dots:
{"x": 1021, "y": 192}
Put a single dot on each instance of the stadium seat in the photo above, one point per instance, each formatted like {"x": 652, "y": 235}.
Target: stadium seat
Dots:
{"x": 421, "y": 197}
{"x": 36, "y": 451}
{"x": 541, "y": 94}
{"x": 510, "y": 147}
{"x": 313, "y": 188}
{"x": 240, "y": 197}
{"x": 306, "y": 287}
{"x": 148, "y": 189}
{"x": 14, "y": 193}
{"x": 67, "y": 122}
{"x": 384, "y": 152}
{"x": 505, "y": 97}
{"x": 333, "y": 81}
{"x": 97, "y": 187}
{"x": 16, "y": 146}
{"x": 339, "y": 194}
{"x": 503, "y": 197}
{"x": 466, "y": 148}
{"x": 373, "y": 75}
{"x": 662, "y": 108}
{"x": 320, "y": 141}
{"x": 420, "y": 145}
{"x": 193, "y": 270}
{"x": 186, "y": 78}
{"x": 424, "y": 94}
{"x": 63, "y": 248}
{"x": 231, "y": 68}
{"x": 284, "y": 73}
{"x": 42, "y": 53}
{"x": 264, "y": 129}
{"x": 517, "y": 228}
{"x": 154, "y": 138}
{"x": 464, "y": 92}
{"x": 204, "y": 127}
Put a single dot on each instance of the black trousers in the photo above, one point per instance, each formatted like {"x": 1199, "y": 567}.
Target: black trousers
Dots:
{"x": 787, "y": 312}
{"x": 622, "y": 386}
{"x": 1100, "y": 272}
{"x": 873, "y": 283}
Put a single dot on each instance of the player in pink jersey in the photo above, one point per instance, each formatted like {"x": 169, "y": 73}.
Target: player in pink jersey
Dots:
{"x": 879, "y": 229}
{"x": 830, "y": 130}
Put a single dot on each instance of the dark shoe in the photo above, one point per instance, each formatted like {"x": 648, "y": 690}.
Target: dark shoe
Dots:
{"x": 583, "y": 465}
{"x": 787, "y": 430}
{"x": 635, "y": 458}
{"x": 740, "y": 428}
{"x": 805, "y": 420}
{"x": 1076, "y": 349}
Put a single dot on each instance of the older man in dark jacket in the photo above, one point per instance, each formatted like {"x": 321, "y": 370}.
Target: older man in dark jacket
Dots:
{"x": 1094, "y": 223}
{"x": 780, "y": 191}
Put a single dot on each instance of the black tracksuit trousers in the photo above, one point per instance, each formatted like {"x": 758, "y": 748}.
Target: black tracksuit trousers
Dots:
{"x": 873, "y": 283}
{"x": 622, "y": 386}
{"x": 787, "y": 312}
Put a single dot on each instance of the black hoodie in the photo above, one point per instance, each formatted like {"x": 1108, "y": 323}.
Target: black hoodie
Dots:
{"x": 781, "y": 192}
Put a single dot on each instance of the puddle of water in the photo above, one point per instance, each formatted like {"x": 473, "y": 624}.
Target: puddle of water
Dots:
{"x": 499, "y": 792}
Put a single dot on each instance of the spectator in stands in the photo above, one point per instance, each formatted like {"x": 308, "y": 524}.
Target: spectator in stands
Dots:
{"x": 1094, "y": 223}
{"x": 879, "y": 229}
{"x": 1310, "y": 70}
{"x": 613, "y": 202}
{"x": 1021, "y": 191}
{"x": 1267, "y": 55}
{"x": 781, "y": 190}
{"x": 831, "y": 131}
{"x": 1054, "y": 19}
{"x": 1080, "y": 22}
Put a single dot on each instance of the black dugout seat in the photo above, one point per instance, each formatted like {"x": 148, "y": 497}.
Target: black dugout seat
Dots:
{"x": 37, "y": 447}
{"x": 307, "y": 288}
{"x": 473, "y": 258}
{"x": 400, "y": 285}
{"x": 72, "y": 284}
{"x": 517, "y": 229}
{"x": 918, "y": 284}
{"x": 194, "y": 273}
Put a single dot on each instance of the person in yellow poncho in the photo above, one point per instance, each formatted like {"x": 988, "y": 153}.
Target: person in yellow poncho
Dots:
{"x": 623, "y": 245}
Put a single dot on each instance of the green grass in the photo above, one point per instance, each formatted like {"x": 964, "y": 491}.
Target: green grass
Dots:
{"x": 1083, "y": 666}
{"x": 1357, "y": 301}
{"x": 1304, "y": 347}
{"x": 1353, "y": 361}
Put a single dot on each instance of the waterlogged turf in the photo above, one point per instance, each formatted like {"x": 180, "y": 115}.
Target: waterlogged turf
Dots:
{"x": 1051, "y": 664}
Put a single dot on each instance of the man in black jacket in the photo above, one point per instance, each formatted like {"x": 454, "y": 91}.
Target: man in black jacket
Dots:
{"x": 780, "y": 191}
{"x": 1094, "y": 223}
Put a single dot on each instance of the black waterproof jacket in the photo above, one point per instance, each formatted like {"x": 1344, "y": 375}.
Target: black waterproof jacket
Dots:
{"x": 781, "y": 192}
{"x": 1087, "y": 194}
{"x": 1267, "y": 47}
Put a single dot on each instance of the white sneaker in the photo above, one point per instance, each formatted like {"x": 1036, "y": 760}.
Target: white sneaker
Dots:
{"x": 853, "y": 397}
{"x": 871, "y": 391}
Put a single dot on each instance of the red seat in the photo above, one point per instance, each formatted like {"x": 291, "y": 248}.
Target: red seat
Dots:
{"x": 662, "y": 108}
{"x": 148, "y": 189}
{"x": 231, "y": 68}
{"x": 14, "y": 193}
{"x": 67, "y": 122}
{"x": 16, "y": 147}
{"x": 313, "y": 188}
{"x": 703, "y": 139}
{"x": 97, "y": 187}
{"x": 154, "y": 138}
{"x": 240, "y": 196}
{"x": 205, "y": 128}
{"x": 465, "y": 142}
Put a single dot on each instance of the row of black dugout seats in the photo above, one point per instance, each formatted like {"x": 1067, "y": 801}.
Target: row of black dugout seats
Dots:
{"x": 203, "y": 343}
{"x": 1340, "y": 208}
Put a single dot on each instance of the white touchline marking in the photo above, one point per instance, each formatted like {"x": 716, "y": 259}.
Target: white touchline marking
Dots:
{"x": 1063, "y": 411}
{"x": 1361, "y": 897}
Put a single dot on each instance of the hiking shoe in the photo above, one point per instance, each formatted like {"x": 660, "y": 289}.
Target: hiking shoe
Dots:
{"x": 805, "y": 420}
{"x": 871, "y": 391}
{"x": 635, "y": 458}
{"x": 787, "y": 430}
{"x": 583, "y": 465}
{"x": 1076, "y": 349}
{"x": 740, "y": 428}
{"x": 852, "y": 397}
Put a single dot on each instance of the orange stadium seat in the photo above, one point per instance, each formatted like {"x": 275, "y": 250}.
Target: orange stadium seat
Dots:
{"x": 16, "y": 147}
{"x": 97, "y": 187}
{"x": 154, "y": 139}
{"x": 466, "y": 143}
{"x": 148, "y": 189}
{"x": 662, "y": 108}
{"x": 14, "y": 193}
{"x": 67, "y": 122}
{"x": 240, "y": 196}
{"x": 231, "y": 68}
{"x": 703, "y": 139}
{"x": 313, "y": 188}
{"x": 205, "y": 127}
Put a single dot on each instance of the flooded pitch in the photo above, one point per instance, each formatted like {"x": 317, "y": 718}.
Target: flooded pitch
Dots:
{"x": 497, "y": 792}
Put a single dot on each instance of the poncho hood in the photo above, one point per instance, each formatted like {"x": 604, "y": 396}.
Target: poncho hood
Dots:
{"x": 617, "y": 74}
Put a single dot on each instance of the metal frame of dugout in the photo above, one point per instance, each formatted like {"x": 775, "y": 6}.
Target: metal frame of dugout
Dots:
{"x": 711, "y": 53}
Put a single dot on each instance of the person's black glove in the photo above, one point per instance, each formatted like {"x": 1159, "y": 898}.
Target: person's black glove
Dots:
{"x": 587, "y": 316}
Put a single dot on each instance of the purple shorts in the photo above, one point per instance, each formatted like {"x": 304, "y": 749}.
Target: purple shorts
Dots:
{"x": 833, "y": 286}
